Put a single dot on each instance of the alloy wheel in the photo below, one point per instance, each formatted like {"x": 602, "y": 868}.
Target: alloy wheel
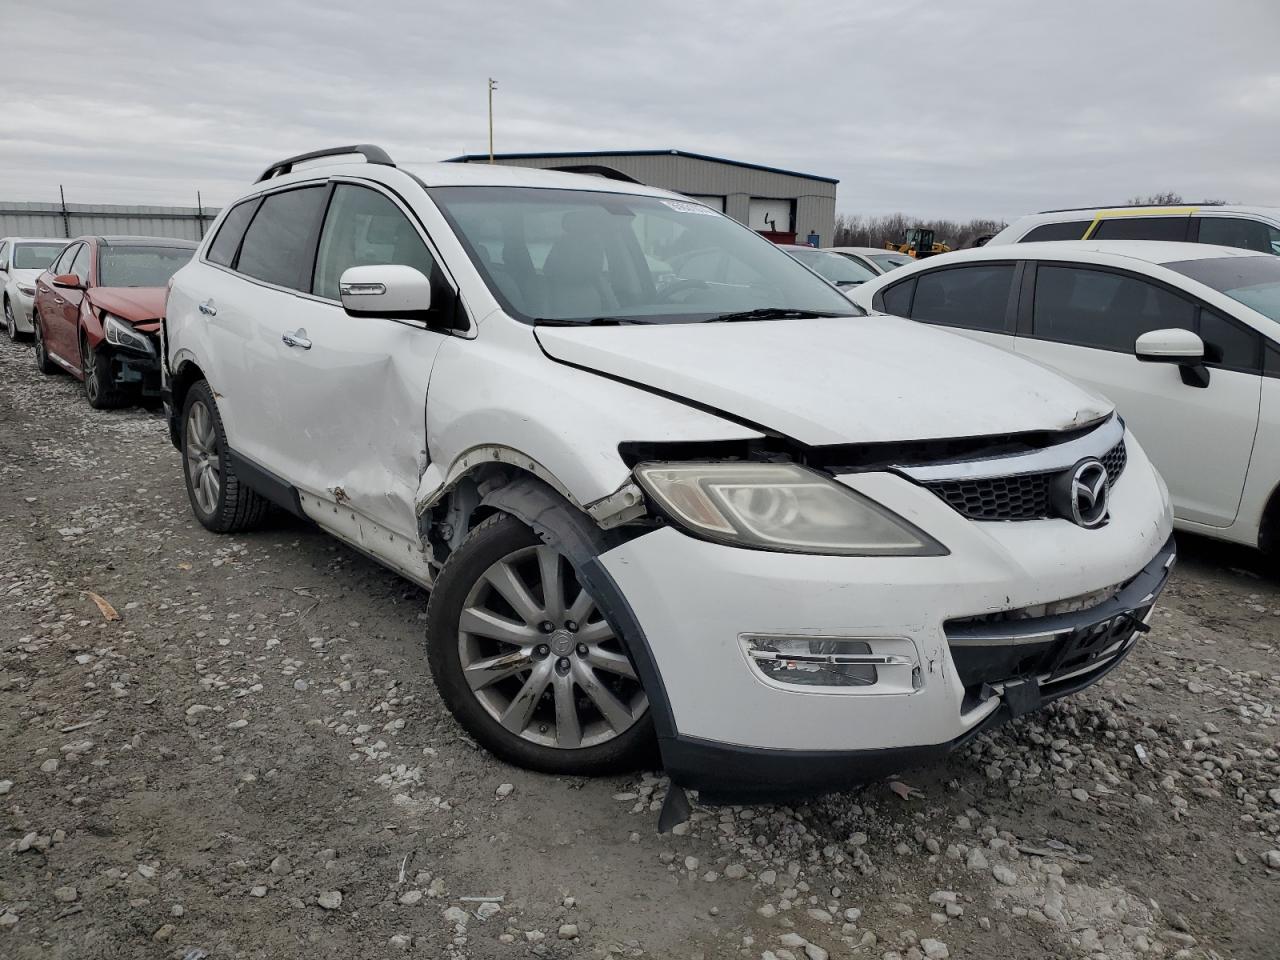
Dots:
{"x": 541, "y": 658}
{"x": 10, "y": 323}
{"x": 204, "y": 463}
{"x": 89, "y": 367}
{"x": 42, "y": 357}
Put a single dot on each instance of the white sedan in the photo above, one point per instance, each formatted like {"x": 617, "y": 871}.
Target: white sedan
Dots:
{"x": 22, "y": 259}
{"x": 1184, "y": 337}
{"x": 875, "y": 259}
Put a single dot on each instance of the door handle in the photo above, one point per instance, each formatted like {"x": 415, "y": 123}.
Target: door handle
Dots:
{"x": 208, "y": 309}
{"x": 58, "y": 300}
{"x": 297, "y": 339}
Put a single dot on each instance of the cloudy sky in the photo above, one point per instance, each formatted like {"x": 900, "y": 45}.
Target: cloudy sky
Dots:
{"x": 983, "y": 108}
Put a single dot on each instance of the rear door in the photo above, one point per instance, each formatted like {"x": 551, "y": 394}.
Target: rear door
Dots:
{"x": 251, "y": 311}
{"x": 1083, "y": 320}
{"x": 360, "y": 388}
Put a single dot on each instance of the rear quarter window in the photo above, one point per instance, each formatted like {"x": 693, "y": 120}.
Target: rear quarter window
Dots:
{"x": 897, "y": 298}
{"x": 1070, "y": 230}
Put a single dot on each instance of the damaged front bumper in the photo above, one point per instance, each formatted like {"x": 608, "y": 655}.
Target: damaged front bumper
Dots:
{"x": 930, "y": 650}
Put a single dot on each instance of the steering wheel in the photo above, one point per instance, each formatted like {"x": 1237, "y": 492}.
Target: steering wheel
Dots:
{"x": 679, "y": 286}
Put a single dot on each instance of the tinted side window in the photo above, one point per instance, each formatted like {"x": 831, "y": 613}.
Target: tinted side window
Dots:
{"x": 63, "y": 264}
{"x": 1238, "y": 232}
{"x": 976, "y": 298}
{"x": 1271, "y": 361}
{"x": 279, "y": 245}
{"x": 80, "y": 265}
{"x": 1228, "y": 344}
{"x": 361, "y": 228}
{"x": 227, "y": 242}
{"x": 1142, "y": 228}
{"x": 897, "y": 299}
{"x": 1071, "y": 230}
{"x": 1094, "y": 308}
{"x": 4, "y": 255}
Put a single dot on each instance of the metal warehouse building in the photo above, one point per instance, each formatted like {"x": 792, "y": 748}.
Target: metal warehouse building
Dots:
{"x": 783, "y": 205}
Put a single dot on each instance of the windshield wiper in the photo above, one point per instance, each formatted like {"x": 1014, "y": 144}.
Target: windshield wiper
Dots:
{"x": 593, "y": 322}
{"x": 770, "y": 313}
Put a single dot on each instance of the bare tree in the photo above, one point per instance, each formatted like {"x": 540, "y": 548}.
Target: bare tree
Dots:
{"x": 1167, "y": 199}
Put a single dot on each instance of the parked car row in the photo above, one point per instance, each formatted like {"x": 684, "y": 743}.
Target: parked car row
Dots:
{"x": 668, "y": 484}
{"x": 94, "y": 306}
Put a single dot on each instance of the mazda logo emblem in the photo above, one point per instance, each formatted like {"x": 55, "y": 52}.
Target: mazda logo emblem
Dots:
{"x": 1081, "y": 493}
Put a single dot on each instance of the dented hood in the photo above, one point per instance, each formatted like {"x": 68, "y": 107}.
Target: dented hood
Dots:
{"x": 835, "y": 380}
{"x": 135, "y": 304}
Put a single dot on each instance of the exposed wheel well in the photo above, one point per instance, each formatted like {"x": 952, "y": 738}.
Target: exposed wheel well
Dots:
{"x": 461, "y": 509}
{"x": 180, "y": 383}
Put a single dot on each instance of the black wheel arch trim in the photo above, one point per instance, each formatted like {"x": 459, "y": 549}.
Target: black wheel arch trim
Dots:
{"x": 266, "y": 484}
{"x": 560, "y": 524}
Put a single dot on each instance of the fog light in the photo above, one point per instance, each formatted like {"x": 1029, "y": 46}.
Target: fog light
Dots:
{"x": 818, "y": 661}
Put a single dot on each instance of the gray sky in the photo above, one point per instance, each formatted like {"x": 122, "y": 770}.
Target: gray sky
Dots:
{"x": 982, "y": 108}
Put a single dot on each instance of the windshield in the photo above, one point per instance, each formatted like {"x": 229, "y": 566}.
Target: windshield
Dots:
{"x": 35, "y": 256}
{"x": 839, "y": 270}
{"x": 140, "y": 266}
{"x": 1253, "y": 281}
{"x": 574, "y": 256}
{"x": 890, "y": 261}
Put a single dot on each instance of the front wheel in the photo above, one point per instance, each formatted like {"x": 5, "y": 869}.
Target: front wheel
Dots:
{"x": 10, "y": 321}
{"x": 100, "y": 388}
{"x": 527, "y": 663}
{"x": 220, "y": 501}
{"x": 43, "y": 362}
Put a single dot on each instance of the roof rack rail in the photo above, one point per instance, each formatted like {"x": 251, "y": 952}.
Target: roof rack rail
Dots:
{"x": 1133, "y": 206}
{"x": 371, "y": 154}
{"x": 596, "y": 170}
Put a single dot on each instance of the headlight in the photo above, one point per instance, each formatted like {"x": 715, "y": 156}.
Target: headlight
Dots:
{"x": 780, "y": 506}
{"x": 121, "y": 334}
{"x": 27, "y": 289}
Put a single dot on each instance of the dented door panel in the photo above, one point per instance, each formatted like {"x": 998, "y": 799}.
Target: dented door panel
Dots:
{"x": 354, "y": 406}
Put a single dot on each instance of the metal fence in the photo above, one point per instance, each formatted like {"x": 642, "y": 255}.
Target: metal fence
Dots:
{"x": 19, "y": 219}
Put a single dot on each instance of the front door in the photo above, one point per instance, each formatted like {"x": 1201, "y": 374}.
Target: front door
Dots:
{"x": 357, "y": 386}
{"x": 1084, "y": 323}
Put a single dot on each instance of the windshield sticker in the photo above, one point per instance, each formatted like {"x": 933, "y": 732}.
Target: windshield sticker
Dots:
{"x": 688, "y": 206}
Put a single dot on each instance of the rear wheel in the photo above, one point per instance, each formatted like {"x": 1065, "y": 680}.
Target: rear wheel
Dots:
{"x": 43, "y": 363}
{"x": 220, "y": 501}
{"x": 100, "y": 388}
{"x": 527, "y": 663}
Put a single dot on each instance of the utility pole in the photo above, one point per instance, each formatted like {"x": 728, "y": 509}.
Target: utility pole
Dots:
{"x": 66, "y": 217}
{"x": 493, "y": 85}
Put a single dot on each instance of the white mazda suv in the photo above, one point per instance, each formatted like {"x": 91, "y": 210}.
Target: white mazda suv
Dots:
{"x": 789, "y": 544}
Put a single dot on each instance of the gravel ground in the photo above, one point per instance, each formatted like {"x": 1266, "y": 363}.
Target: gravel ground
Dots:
{"x": 242, "y": 755}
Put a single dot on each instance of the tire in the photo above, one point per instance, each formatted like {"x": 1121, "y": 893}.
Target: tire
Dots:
{"x": 220, "y": 501}
{"x": 100, "y": 389}
{"x": 10, "y": 321}
{"x": 575, "y": 667}
{"x": 43, "y": 363}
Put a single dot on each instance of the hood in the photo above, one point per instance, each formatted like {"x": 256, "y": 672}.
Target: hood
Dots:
{"x": 135, "y": 304}
{"x": 836, "y": 380}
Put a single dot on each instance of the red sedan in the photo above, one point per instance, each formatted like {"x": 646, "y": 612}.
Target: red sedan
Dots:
{"x": 97, "y": 314}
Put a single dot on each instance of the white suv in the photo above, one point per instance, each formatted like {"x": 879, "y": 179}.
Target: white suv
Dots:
{"x": 800, "y": 544}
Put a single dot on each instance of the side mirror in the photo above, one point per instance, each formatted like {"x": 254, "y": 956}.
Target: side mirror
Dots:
{"x": 1169, "y": 346}
{"x": 1181, "y": 347}
{"x": 389, "y": 290}
{"x": 68, "y": 281}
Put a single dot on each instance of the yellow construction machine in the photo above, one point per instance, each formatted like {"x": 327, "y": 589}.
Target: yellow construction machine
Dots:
{"x": 918, "y": 242}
